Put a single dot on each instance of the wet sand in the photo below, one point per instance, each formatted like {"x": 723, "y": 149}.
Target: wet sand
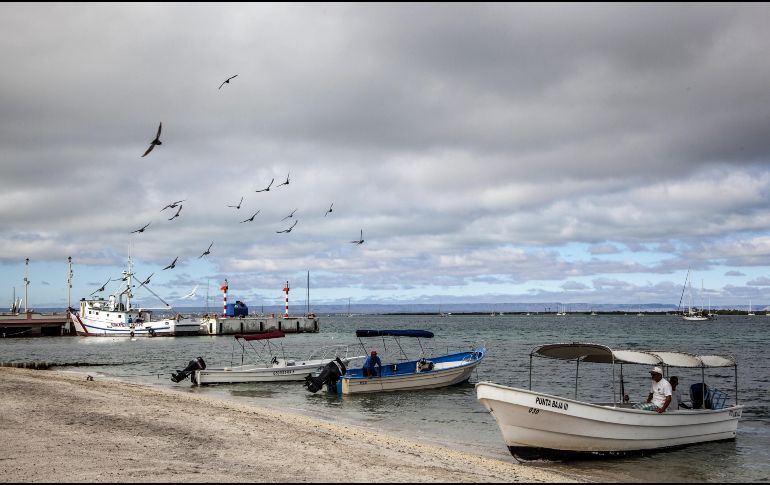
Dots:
{"x": 59, "y": 427}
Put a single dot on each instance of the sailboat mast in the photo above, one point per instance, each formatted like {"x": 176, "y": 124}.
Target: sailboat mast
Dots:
{"x": 308, "y": 292}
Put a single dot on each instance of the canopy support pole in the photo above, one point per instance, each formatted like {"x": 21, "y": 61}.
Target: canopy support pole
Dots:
{"x": 530, "y": 371}
{"x": 577, "y": 373}
{"x": 614, "y": 395}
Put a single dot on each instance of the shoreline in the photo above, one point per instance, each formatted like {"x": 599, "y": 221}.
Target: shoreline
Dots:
{"x": 59, "y": 427}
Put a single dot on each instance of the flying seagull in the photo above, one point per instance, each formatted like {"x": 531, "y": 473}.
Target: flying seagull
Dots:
{"x": 251, "y": 219}
{"x": 154, "y": 142}
{"x": 191, "y": 294}
{"x": 287, "y": 180}
{"x": 172, "y": 205}
{"x": 147, "y": 281}
{"x": 237, "y": 206}
{"x": 330, "y": 209}
{"x": 227, "y": 81}
{"x": 172, "y": 265}
{"x": 177, "y": 212}
{"x": 360, "y": 241}
{"x": 290, "y": 215}
{"x": 142, "y": 229}
{"x": 208, "y": 251}
{"x": 102, "y": 288}
{"x": 289, "y": 229}
{"x": 268, "y": 187}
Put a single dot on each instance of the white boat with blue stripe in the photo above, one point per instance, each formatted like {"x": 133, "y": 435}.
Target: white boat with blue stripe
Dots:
{"x": 408, "y": 375}
{"x": 117, "y": 317}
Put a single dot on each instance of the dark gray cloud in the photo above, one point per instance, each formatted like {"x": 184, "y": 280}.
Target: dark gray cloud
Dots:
{"x": 473, "y": 144}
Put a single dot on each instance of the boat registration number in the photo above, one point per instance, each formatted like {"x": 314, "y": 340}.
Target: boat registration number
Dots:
{"x": 551, "y": 403}
{"x": 282, "y": 372}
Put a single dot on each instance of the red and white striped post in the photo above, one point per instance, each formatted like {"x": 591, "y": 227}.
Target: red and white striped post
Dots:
{"x": 224, "y": 307}
{"x": 286, "y": 290}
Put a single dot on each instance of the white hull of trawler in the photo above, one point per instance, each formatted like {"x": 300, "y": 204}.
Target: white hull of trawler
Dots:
{"x": 279, "y": 372}
{"x": 159, "y": 328}
{"x": 532, "y": 422}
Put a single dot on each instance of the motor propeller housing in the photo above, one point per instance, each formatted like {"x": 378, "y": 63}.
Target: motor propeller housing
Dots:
{"x": 196, "y": 364}
{"x": 330, "y": 374}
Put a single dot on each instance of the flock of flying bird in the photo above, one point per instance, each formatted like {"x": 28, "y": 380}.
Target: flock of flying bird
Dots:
{"x": 178, "y": 205}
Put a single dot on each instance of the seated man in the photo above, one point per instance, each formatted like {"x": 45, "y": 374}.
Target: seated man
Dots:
{"x": 371, "y": 361}
{"x": 660, "y": 393}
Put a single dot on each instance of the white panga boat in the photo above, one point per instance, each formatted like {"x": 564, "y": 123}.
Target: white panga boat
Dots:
{"x": 536, "y": 425}
{"x": 270, "y": 366}
{"x": 117, "y": 317}
{"x": 407, "y": 375}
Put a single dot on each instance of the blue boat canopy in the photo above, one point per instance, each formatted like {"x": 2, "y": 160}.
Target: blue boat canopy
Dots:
{"x": 394, "y": 333}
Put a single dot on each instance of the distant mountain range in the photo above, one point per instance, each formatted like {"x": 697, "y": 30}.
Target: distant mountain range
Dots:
{"x": 428, "y": 308}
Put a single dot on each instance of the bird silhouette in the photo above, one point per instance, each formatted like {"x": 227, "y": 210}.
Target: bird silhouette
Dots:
{"x": 287, "y": 180}
{"x": 227, "y": 81}
{"x": 360, "y": 241}
{"x": 154, "y": 142}
{"x": 147, "y": 281}
{"x": 102, "y": 288}
{"x": 330, "y": 209}
{"x": 289, "y": 229}
{"x": 172, "y": 205}
{"x": 208, "y": 251}
{"x": 251, "y": 219}
{"x": 142, "y": 229}
{"x": 172, "y": 265}
{"x": 290, "y": 215}
{"x": 237, "y": 206}
{"x": 177, "y": 213}
{"x": 268, "y": 187}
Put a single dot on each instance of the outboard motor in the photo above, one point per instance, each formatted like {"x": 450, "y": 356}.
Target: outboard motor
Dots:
{"x": 195, "y": 364}
{"x": 330, "y": 374}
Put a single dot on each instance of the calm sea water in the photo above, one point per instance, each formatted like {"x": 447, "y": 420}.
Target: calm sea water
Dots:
{"x": 452, "y": 416}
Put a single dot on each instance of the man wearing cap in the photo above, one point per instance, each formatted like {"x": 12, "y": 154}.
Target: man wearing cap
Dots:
{"x": 660, "y": 392}
{"x": 371, "y": 361}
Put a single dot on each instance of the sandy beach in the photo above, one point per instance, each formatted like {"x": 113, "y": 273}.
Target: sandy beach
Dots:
{"x": 60, "y": 427}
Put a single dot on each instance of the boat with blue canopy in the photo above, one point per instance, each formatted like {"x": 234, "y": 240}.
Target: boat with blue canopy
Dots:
{"x": 406, "y": 374}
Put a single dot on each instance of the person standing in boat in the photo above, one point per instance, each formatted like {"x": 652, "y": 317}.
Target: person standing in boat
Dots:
{"x": 371, "y": 361}
{"x": 659, "y": 398}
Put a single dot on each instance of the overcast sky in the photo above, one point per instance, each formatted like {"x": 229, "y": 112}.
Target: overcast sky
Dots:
{"x": 488, "y": 152}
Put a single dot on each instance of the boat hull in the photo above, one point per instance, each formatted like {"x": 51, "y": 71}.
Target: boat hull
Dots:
{"x": 159, "y": 328}
{"x": 448, "y": 372}
{"x": 253, "y": 373}
{"x": 537, "y": 425}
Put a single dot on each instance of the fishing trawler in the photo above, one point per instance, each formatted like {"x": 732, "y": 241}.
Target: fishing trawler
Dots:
{"x": 117, "y": 317}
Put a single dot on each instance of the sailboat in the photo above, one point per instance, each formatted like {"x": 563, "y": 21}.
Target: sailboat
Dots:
{"x": 750, "y": 314}
{"x": 349, "y": 314}
{"x": 692, "y": 315}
